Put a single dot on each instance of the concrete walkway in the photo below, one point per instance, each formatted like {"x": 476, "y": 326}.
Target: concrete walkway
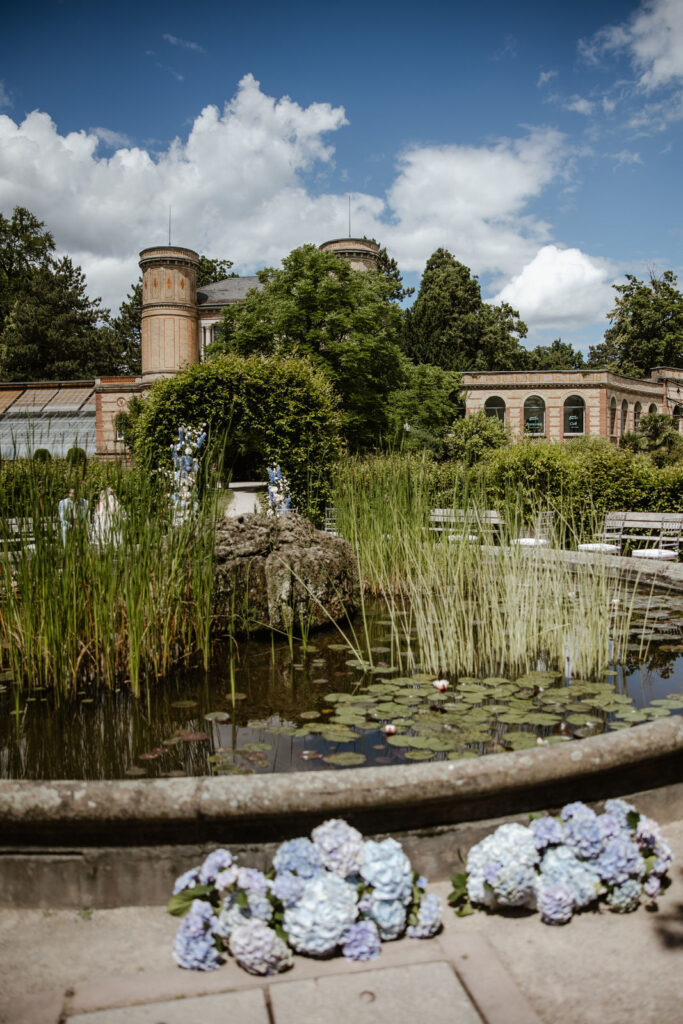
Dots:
{"x": 114, "y": 966}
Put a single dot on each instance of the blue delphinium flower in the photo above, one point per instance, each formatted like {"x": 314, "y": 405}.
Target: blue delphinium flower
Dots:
{"x": 556, "y": 903}
{"x": 258, "y": 949}
{"x": 561, "y": 867}
{"x": 361, "y": 941}
{"x": 583, "y": 834}
{"x": 390, "y": 917}
{"x": 340, "y": 846}
{"x": 287, "y": 887}
{"x": 428, "y": 918}
{"x": 620, "y": 860}
{"x": 298, "y": 855}
{"x": 215, "y": 862}
{"x": 316, "y": 923}
{"x": 387, "y": 869}
{"x": 547, "y": 831}
{"x": 194, "y": 947}
{"x": 186, "y": 881}
{"x": 625, "y": 898}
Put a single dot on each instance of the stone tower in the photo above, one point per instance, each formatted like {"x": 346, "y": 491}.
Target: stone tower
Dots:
{"x": 170, "y": 339}
{"x": 361, "y": 253}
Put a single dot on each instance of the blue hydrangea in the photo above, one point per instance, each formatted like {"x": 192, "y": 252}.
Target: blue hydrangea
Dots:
{"x": 258, "y": 949}
{"x": 620, "y": 859}
{"x": 361, "y": 941}
{"x": 652, "y": 886}
{"x": 428, "y": 918}
{"x": 389, "y": 916}
{"x": 610, "y": 827}
{"x": 253, "y": 880}
{"x": 560, "y": 867}
{"x": 186, "y": 881}
{"x": 663, "y": 858}
{"x": 232, "y": 915}
{"x": 547, "y": 831}
{"x": 387, "y": 869}
{"x": 339, "y": 845}
{"x": 287, "y": 887}
{"x": 299, "y": 856}
{"x": 575, "y": 810}
{"x": 555, "y": 903}
{"x": 316, "y": 923}
{"x": 620, "y": 810}
{"x": 583, "y": 834}
{"x": 509, "y": 853}
{"x": 648, "y": 834}
{"x": 421, "y": 882}
{"x": 215, "y": 862}
{"x": 625, "y": 898}
{"x": 194, "y": 947}
{"x": 227, "y": 878}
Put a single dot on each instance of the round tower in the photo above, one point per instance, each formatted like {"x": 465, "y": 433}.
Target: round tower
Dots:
{"x": 361, "y": 253}
{"x": 170, "y": 338}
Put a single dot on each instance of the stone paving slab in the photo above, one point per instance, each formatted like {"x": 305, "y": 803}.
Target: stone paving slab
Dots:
{"x": 249, "y": 1007}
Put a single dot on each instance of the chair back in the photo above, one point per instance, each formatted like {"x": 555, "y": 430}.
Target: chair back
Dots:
{"x": 544, "y": 525}
{"x": 613, "y": 528}
{"x": 670, "y": 535}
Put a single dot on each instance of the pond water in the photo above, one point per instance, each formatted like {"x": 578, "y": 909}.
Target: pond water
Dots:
{"x": 318, "y": 707}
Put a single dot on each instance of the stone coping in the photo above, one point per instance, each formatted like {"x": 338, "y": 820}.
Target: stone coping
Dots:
{"x": 405, "y": 797}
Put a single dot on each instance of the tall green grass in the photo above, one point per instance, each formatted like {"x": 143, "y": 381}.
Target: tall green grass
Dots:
{"x": 489, "y": 607}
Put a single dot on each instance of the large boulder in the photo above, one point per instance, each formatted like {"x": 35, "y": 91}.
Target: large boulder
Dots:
{"x": 277, "y": 572}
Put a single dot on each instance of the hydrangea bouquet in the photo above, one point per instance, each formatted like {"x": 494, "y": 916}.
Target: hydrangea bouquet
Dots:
{"x": 330, "y": 892}
{"x": 558, "y": 865}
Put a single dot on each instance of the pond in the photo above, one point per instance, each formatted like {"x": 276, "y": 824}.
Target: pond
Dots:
{"x": 318, "y": 707}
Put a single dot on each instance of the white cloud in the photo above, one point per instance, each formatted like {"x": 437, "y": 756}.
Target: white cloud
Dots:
{"x": 545, "y": 77}
{"x": 625, "y": 157}
{"x": 5, "y": 99}
{"x": 561, "y": 288}
{"x": 653, "y": 39}
{"x": 185, "y": 44}
{"x": 111, "y": 138}
{"x": 237, "y": 184}
{"x": 579, "y": 105}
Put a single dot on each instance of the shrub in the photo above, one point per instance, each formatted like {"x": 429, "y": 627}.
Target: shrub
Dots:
{"x": 76, "y": 457}
{"x": 473, "y": 438}
{"x": 42, "y": 455}
{"x": 260, "y": 411}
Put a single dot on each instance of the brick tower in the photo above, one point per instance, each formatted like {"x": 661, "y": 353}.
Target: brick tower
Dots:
{"x": 169, "y": 310}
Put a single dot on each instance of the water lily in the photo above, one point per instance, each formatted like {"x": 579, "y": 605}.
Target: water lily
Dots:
{"x": 441, "y": 685}
{"x": 389, "y": 730}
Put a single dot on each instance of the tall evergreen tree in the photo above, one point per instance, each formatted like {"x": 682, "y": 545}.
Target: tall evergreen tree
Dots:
{"x": 25, "y": 246}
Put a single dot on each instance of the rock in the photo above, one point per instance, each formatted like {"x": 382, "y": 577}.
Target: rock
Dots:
{"x": 279, "y": 571}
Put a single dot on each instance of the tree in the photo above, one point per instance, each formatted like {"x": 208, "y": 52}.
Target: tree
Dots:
{"x": 209, "y": 271}
{"x": 127, "y": 327}
{"x": 54, "y": 331}
{"x": 341, "y": 319}
{"x": 422, "y": 411}
{"x": 561, "y": 355}
{"x": 646, "y": 327}
{"x": 25, "y": 246}
{"x": 450, "y": 326}
{"x": 388, "y": 267}
{"x": 657, "y": 435}
{"x": 473, "y": 438}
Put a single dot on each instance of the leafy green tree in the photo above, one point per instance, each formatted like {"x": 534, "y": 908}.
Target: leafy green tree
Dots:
{"x": 25, "y": 246}
{"x": 658, "y": 436}
{"x": 561, "y": 355}
{"x": 388, "y": 267}
{"x": 646, "y": 327}
{"x": 476, "y": 436}
{"x": 209, "y": 271}
{"x": 54, "y": 331}
{"x": 450, "y": 325}
{"x": 422, "y": 411}
{"x": 341, "y": 319}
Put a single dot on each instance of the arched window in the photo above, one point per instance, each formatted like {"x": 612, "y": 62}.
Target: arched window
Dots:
{"x": 574, "y": 415}
{"x": 495, "y": 406}
{"x": 613, "y": 417}
{"x": 624, "y": 415}
{"x": 677, "y": 414}
{"x": 653, "y": 408}
{"x": 534, "y": 415}
{"x": 637, "y": 412}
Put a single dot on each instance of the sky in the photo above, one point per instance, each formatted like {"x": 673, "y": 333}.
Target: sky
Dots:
{"x": 540, "y": 143}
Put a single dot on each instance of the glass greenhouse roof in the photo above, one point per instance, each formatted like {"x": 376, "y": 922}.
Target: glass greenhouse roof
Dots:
{"x": 21, "y": 435}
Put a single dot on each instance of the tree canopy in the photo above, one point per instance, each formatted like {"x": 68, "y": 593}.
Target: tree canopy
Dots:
{"x": 449, "y": 325}
{"x": 341, "y": 319}
{"x": 646, "y": 327}
{"x": 560, "y": 355}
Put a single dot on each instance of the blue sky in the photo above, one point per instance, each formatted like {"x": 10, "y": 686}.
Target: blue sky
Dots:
{"x": 540, "y": 143}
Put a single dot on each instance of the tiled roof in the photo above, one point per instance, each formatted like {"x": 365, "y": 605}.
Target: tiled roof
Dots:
{"x": 223, "y": 293}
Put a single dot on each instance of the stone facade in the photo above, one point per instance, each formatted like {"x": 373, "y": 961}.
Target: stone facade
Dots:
{"x": 169, "y": 310}
{"x": 561, "y": 405}
{"x": 361, "y": 253}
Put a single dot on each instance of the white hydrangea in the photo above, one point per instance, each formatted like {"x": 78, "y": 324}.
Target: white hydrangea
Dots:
{"x": 316, "y": 923}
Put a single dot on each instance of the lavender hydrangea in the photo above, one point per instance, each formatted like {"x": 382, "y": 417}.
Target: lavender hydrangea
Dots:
{"x": 575, "y": 810}
{"x": 339, "y": 845}
{"x": 389, "y": 916}
{"x": 232, "y": 914}
{"x": 583, "y": 834}
{"x": 624, "y": 898}
{"x": 258, "y": 949}
{"x": 428, "y": 918}
{"x": 287, "y": 887}
{"x": 252, "y": 880}
{"x": 387, "y": 869}
{"x": 316, "y": 923}
{"x": 188, "y": 880}
{"x": 507, "y": 858}
{"x": 620, "y": 810}
{"x": 299, "y": 856}
{"x": 561, "y": 867}
{"x": 194, "y": 947}
{"x": 214, "y": 863}
{"x": 610, "y": 827}
{"x": 361, "y": 941}
{"x": 620, "y": 860}
{"x": 556, "y": 903}
{"x": 652, "y": 886}
{"x": 547, "y": 831}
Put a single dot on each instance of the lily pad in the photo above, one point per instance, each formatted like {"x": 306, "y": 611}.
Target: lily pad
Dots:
{"x": 217, "y": 716}
{"x": 419, "y": 755}
{"x": 345, "y": 759}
